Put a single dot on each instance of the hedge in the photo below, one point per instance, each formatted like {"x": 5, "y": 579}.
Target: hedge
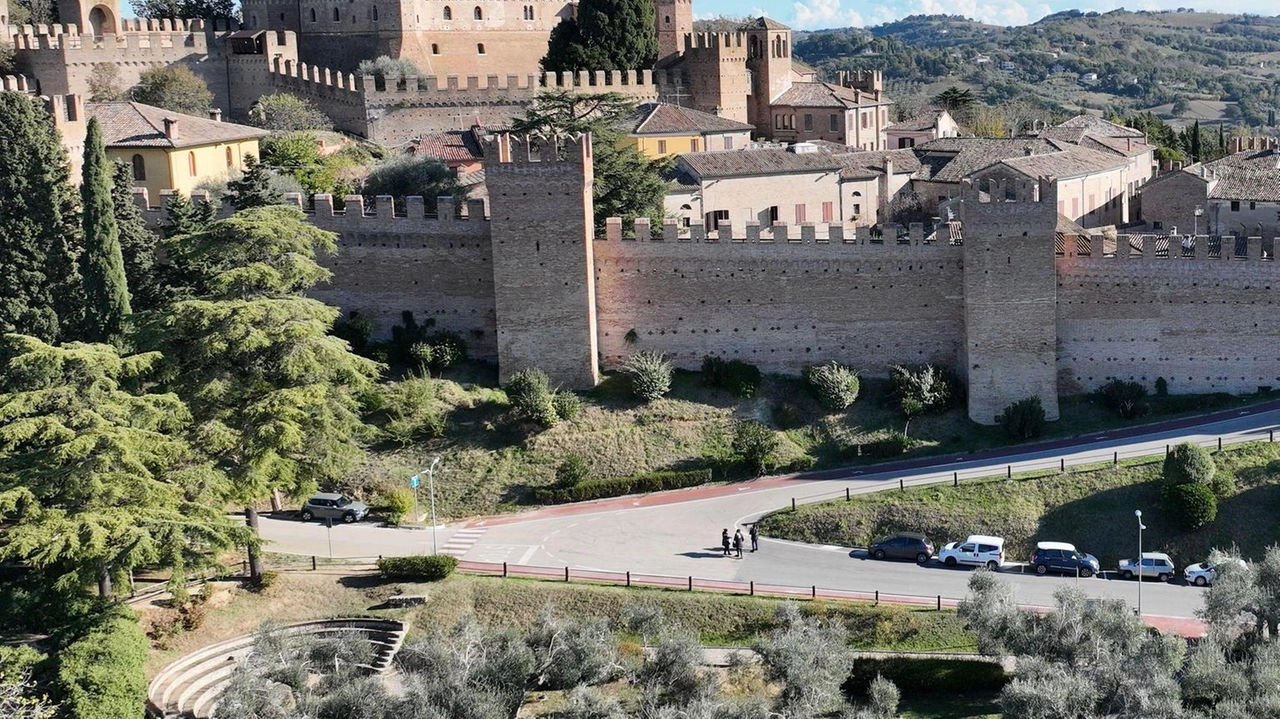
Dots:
{"x": 621, "y": 486}
{"x": 427, "y": 568}
{"x": 928, "y": 676}
{"x": 100, "y": 675}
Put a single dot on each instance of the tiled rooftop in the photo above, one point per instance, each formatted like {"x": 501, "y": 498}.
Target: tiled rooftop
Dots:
{"x": 132, "y": 124}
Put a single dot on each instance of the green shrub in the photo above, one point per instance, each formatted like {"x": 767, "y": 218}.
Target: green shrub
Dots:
{"x": 572, "y": 471}
{"x": 928, "y": 676}
{"x": 894, "y": 445}
{"x": 736, "y": 376}
{"x": 1127, "y": 399}
{"x": 566, "y": 404}
{"x": 356, "y": 329}
{"x": 100, "y": 674}
{"x": 621, "y": 486}
{"x": 395, "y": 504}
{"x": 265, "y": 581}
{"x": 835, "y": 385}
{"x": 786, "y": 415}
{"x": 1023, "y": 419}
{"x": 1188, "y": 464}
{"x": 925, "y": 388}
{"x": 1190, "y": 506}
{"x": 650, "y": 374}
{"x": 754, "y": 445}
{"x": 412, "y": 410}
{"x": 529, "y": 391}
{"x": 423, "y": 568}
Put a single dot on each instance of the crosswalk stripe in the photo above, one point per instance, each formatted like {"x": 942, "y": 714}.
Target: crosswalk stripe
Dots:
{"x": 462, "y": 541}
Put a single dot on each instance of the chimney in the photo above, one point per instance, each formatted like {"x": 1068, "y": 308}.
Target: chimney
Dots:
{"x": 1128, "y": 144}
{"x": 1028, "y": 151}
{"x": 170, "y": 127}
{"x": 215, "y": 114}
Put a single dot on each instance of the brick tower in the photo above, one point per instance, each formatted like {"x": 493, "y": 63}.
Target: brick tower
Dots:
{"x": 1010, "y": 297}
{"x": 674, "y": 20}
{"x": 541, "y": 229}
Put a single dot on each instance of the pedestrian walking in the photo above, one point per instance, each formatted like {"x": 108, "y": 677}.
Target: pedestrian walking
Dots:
{"x": 755, "y": 537}
{"x": 737, "y": 543}
{"x": 724, "y": 540}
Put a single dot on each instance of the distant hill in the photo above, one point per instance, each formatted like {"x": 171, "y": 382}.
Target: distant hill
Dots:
{"x": 1140, "y": 59}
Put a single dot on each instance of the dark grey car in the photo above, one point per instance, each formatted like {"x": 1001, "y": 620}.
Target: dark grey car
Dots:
{"x": 328, "y": 505}
{"x": 903, "y": 545}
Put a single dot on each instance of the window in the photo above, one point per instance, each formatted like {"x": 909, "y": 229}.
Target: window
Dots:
{"x": 693, "y": 145}
{"x": 480, "y": 48}
{"x": 375, "y": 13}
{"x": 191, "y": 163}
{"x": 231, "y": 158}
{"x": 865, "y": 122}
{"x": 662, "y": 147}
{"x": 828, "y": 212}
{"x": 478, "y": 13}
{"x": 800, "y": 214}
{"x": 857, "y": 211}
{"x": 1235, "y": 205}
{"x": 139, "y": 168}
{"x": 313, "y": 14}
{"x": 528, "y": 13}
{"x": 719, "y": 218}
{"x": 728, "y": 142}
{"x": 808, "y": 122}
{"x": 773, "y": 214}
{"x": 435, "y": 49}
{"x": 835, "y": 123}
{"x": 335, "y": 15}
{"x": 905, "y": 142}
{"x": 448, "y": 13}
{"x": 1253, "y": 205}
{"x": 281, "y": 17}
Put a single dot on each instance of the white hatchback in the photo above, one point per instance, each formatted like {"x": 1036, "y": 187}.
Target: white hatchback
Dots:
{"x": 1204, "y": 573}
{"x": 1154, "y": 564}
{"x": 978, "y": 550}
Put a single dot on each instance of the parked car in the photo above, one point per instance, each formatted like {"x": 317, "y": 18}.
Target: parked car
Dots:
{"x": 1154, "y": 564}
{"x": 1065, "y": 558}
{"x": 328, "y": 505}
{"x": 903, "y": 545}
{"x": 1204, "y": 573}
{"x": 977, "y": 550}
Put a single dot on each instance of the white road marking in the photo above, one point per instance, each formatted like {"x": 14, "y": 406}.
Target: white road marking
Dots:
{"x": 528, "y": 555}
{"x": 462, "y": 541}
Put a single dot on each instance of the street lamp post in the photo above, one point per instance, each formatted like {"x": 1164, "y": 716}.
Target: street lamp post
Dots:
{"x": 1138, "y": 513}
{"x": 431, "y": 491}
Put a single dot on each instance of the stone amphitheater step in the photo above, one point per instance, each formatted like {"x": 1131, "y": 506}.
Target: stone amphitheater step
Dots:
{"x": 190, "y": 687}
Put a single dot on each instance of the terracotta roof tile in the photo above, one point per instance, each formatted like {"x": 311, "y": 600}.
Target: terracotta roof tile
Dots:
{"x": 1250, "y": 176}
{"x": 824, "y": 94}
{"x": 132, "y": 124}
{"x": 739, "y": 163}
{"x": 657, "y": 118}
{"x": 951, "y": 159}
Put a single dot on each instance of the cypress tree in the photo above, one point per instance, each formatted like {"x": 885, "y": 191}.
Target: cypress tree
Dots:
{"x": 608, "y": 35}
{"x": 39, "y": 286}
{"x": 101, "y": 263}
{"x": 253, "y": 189}
{"x": 137, "y": 243}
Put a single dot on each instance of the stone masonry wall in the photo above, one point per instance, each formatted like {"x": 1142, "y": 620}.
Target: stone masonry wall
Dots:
{"x": 781, "y": 304}
{"x": 1205, "y": 324}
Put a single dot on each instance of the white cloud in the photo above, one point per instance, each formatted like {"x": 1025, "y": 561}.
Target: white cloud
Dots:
{"x": 817, "y": 14}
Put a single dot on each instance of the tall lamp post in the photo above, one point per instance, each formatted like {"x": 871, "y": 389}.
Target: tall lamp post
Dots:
{"x": 431, "y": 491}
{"x": 1138, "y": 513}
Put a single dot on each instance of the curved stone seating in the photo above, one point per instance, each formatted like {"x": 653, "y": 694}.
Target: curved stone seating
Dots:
{"x": 190, "y": 686}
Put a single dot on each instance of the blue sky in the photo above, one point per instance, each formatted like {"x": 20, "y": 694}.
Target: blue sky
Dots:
{"x": 813, "y": 14}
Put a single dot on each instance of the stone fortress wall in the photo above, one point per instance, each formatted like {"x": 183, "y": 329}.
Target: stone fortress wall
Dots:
{"x": 995, "y": 296}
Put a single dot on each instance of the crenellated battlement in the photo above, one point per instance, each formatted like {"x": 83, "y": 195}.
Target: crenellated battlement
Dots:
{"x": 511, "y": 150}
{"x": 727, "y": 43}
{"x": 640, "y": 84}
{"x": 914, "y": 235}
{"x": 134, "y": 32}
{"x": 18, "y": 83}
{"x": 1169, "y": 248}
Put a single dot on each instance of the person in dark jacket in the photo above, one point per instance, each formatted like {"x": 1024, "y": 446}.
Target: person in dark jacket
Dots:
{"x": 755, "y": 537}
{"x": 724, "y": 540}
{"x": 737, "y": 543}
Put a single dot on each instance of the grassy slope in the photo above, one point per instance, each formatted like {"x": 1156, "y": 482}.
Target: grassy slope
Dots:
{"x": 491, "y": 461}
{"x": 1092, "y": 508}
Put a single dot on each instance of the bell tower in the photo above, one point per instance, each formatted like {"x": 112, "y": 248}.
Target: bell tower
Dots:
{"x": 92, "y": 17}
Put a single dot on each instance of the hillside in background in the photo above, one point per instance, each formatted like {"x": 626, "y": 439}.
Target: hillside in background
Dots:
{"x": 1184, "y": 65}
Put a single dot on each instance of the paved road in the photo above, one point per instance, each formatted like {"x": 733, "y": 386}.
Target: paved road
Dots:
{"x": 677, "y": 533}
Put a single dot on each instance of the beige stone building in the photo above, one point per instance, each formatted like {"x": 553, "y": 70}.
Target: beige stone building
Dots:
{"x": 660, "y": 129}
{"x": 932, "y": 125}
{"x": 854, "y": 112}
{"x": 1236, "y": 195}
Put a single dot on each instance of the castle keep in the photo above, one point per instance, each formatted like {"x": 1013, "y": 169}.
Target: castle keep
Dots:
{"x": 1001, "y": 295}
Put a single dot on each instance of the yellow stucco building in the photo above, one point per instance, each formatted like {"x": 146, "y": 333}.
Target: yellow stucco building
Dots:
{"x": 168, "y": 150}
{"x": 662, "y": 130}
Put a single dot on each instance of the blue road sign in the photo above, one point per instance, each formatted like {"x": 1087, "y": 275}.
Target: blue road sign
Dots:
{"x": 415, "y": 481}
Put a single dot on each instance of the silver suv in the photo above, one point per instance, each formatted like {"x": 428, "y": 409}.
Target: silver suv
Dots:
{"x": 328, "y": 505}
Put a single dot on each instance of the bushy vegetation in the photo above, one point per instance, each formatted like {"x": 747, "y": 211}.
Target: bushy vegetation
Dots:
{"x": 587, "y": 490}
{"x": 650, "y": 374}
{"x": 1023, "y": 420}
{"x": 1190, "y": 506}
{"x": 425, "y": 568}
{"x": 1125, "y": 398}
{"x": 395, "y": 504}
{"x": 834, "y": 385}
{"x": 736, "y": 376}
{"x": 919, "y": 389}
{"x": 532, "y": 397}
{"x": 386, "y": 69}
{"x": 572, "y": 471}
{"x": 99, "y": 674}
{"x": 1187, "y": 463}
{"x": 285, "y": 112}
{"x": 754, "y": 444}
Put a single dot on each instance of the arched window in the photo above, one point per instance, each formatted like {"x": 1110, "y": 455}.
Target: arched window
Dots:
{"x": 448, "y": 13}
{"x": 480, "y": 49}
{"x": 478, "y": 13}
{"x": 335, "y": 14}
{"x": 281, "y": 17}
{"x": 231, "y": 159}
{"x": 375, "y": 13}
{"x": 139, "y": 169}
{"x": 435, "y": 49}
{"x": 191, "y": 163}
{"x": 313, "y": 14}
